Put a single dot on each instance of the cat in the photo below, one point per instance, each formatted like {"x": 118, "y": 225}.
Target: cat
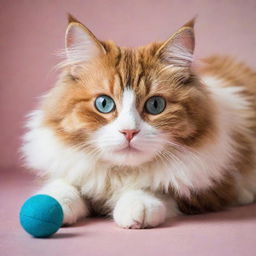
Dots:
{"x": 143, "y": 134}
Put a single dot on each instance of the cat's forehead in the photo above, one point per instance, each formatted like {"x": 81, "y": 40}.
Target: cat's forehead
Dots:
{"x": 130, "y": 67}
{"x": 136, "y": 69}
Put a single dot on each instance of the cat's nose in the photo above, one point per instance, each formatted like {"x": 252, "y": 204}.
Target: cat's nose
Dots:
{"x": 129, "y": 134}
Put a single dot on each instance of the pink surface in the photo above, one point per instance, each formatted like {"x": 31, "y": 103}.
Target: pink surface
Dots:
{"x": 32, "y": 31}
{"x": 229, "y": 233}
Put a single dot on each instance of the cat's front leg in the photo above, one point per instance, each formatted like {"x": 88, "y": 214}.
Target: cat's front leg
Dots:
{"x": 73, "y": 205}
{"x": 140, "y": 209}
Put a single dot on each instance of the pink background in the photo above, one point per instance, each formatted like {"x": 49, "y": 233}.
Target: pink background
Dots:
{"x": 32, "y": 31}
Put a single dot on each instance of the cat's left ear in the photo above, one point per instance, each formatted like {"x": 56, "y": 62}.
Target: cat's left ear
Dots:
{"x": 81, "y": 44}
{"x": 179, "y": 48}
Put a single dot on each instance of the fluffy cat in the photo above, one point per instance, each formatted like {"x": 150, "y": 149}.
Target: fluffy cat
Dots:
{"x": 141, "y": 135}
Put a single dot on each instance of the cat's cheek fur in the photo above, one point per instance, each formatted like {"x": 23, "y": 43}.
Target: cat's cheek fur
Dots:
{"x": 138, "y": 209}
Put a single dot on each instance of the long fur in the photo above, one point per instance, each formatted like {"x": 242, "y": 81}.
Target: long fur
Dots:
{"x": 197, "y": 155}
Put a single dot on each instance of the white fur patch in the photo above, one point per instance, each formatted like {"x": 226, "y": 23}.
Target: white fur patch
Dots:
{"x": 138, "y": 209}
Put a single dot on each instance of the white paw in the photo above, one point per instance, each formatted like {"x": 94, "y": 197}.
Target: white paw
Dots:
{"x": 136, "y": 210}
{"x": 70, "y": 215}
{"x": 245, "y": 197}
{"x": 73, "y": 211}
{"x": 73, "y": 206}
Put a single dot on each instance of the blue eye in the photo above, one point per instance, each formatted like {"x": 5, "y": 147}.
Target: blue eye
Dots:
{"x": 104, "y": 104}
{"x": 155, "y": 105}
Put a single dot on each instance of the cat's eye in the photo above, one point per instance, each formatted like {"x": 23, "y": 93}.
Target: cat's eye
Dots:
{"x": 104, "y": 104}
{"x": 155, "y": 105}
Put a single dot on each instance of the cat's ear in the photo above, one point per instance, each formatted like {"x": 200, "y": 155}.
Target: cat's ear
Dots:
{"x": 80, "y": 43}
{"x": 179, "y": 48}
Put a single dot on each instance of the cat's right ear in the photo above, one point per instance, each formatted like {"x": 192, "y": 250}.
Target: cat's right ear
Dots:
{"x": 178, "y": 49}
{"x": 81, "y": 45}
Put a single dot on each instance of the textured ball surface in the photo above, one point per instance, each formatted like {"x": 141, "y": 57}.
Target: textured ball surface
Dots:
{"x": 41, "y": 215}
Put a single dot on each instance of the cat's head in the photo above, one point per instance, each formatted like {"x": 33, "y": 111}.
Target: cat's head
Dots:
{"x": 128, "y": 106}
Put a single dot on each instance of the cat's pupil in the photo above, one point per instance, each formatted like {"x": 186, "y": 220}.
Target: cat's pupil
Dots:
{"x": 104, "y": 103}
{"x": 155, "y": 104}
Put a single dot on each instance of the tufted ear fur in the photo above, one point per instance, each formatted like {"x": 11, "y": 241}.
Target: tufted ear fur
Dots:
{"x": 178, "y": 49}
{"x": 81, "y": 45}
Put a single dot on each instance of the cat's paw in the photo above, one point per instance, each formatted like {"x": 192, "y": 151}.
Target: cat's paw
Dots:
{"x": 69, "y": 214}
{"x": 73, "y": 211}
{"x": 73, "y": 205}
{"x": 137, "y": 209}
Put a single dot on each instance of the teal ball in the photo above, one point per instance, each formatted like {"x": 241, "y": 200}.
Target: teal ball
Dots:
{"x": 41, "y": 215}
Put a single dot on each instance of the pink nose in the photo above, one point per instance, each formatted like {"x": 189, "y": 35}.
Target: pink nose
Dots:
{"x": 129, "y": 134}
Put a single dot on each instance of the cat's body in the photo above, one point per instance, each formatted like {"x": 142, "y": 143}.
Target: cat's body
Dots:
{"x": 148, "y": 158}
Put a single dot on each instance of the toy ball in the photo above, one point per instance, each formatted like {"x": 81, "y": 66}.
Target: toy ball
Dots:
{"x": 41, "y": 216}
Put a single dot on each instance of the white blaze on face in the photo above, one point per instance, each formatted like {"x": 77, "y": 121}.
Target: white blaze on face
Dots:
{"x": 113, "y": 144}
{"x": 128, "y": 117}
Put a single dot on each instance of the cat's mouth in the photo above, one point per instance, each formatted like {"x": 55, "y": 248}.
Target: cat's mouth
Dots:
{"x": 128, "y": 149}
